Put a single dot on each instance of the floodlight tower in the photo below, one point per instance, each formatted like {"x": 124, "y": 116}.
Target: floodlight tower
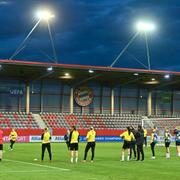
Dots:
{"x": 42, "y": 15}
{"x": 145, "y": 27}
{"x": 46, "y": 15}
{"x": 141, "y": 27}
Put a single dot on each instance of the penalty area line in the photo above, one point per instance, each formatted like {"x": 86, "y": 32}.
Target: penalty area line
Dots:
{"x": 38, "y": 165}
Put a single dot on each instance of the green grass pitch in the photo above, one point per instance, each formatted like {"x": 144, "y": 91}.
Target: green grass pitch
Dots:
{"x": 20, "y": 165}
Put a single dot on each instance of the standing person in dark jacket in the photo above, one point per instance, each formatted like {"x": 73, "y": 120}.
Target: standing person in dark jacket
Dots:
{"x": 133, "y": 143}
{"x": 177, "y": 139}
{"x": 66, "y": 138}
{"x": 140, "y": 141}
{"x": 1, "y": 144}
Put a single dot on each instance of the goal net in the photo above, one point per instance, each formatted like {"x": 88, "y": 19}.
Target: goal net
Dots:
{"x": 161, "y": 124}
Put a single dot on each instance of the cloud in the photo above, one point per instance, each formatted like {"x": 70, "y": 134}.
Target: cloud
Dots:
{"x": 5, "y": 3}
{"x": 93, "y": 32}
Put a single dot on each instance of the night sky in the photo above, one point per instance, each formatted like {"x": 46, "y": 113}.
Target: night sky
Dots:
{"x": 93, "y": 32}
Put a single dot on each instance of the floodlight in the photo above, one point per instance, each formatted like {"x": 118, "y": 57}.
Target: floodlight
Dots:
{"x": 136, "y": 74}
{"x": 50, "y": 68}
{"x": 67, "y": 74}
{"x": 166, "y": 76}
{"x": 145, "y": 26}
{"x": 91, "y": 71}
{"x": 45, "y": 15}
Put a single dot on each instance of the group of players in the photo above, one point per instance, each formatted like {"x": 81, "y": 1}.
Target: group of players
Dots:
{"x": 72, "y": 140}
{"x": 138, "y": 137}
{"x": 134, "y": 140}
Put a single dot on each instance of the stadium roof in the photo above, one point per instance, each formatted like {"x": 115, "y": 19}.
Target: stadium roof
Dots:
{"x": 79, "y": 74}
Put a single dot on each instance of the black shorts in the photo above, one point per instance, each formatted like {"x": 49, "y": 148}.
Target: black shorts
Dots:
{"x": 127, "y": 145}
{"x": 167, "y": 144}
{"x": 177, "y": 143}
{"x": 91, "y": 144}
{"x": 73, "y": 146}
{"x": 133, "y": 143}
{"x": 1, "y": 147}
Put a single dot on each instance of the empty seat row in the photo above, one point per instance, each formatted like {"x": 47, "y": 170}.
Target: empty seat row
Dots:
{"x": 18, "y": 120}
{"x": 98, "y": 121}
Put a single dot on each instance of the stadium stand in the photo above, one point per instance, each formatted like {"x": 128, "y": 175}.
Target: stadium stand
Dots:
{"x": 84, "y": 121}
{"x": 21, "y": 120}
{"x": 18, "y": 120}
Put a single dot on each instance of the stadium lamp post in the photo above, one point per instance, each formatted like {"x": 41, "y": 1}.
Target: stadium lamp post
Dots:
{"x": 141, "y": 27}
{"x": 46, "y": 15}
{"x": 145, "y": 27}
{"x": 43, "y": 15}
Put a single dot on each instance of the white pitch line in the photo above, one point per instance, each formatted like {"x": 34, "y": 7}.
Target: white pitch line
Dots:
{"x": 39, "y": 165}
{"x": 28, "y": 171}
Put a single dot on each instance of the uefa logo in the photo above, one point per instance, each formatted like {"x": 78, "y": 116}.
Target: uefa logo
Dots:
{"x": 83, "y": 96}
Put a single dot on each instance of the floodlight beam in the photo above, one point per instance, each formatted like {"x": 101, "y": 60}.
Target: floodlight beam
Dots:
{"x": 52, "y": 43}
{"x": 18, "y": 50}
{"x": 136, "y": 59}
{"x": 124, "y": 49}
{"x": 147, "y": 51}
{"x": 46, "y": 55}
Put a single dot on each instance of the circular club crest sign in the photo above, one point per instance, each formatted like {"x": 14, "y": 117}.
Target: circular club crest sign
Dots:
{"x": 83, "y": 96}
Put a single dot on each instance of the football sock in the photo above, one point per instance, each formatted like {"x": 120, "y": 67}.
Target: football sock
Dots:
{"x": 1, "y": 154}
{"x": 122, "y": 156}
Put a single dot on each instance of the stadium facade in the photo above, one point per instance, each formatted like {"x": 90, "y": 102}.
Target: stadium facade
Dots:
{"x": 29, "y": 87}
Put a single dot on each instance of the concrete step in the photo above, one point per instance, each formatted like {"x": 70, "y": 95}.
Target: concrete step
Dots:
{"x": 39, "y": 121}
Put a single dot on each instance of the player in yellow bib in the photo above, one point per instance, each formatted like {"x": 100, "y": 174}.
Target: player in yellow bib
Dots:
{"x": 90, "y": 143}
{"x": 13, "y": 137}
{"x": 128, "y": 137}
{"x": 73, "y": 144}
{"x": 46, "y": 137}
{"x": 145, "y": 136}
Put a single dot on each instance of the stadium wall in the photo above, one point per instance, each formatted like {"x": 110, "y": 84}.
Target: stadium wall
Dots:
{"x": 54, "y": 96}
{"x": 62, "y": 132}
{"x": 34, "y": 135}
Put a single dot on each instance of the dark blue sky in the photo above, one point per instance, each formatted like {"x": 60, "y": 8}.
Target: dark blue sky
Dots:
{"x": 93, "y": 32}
